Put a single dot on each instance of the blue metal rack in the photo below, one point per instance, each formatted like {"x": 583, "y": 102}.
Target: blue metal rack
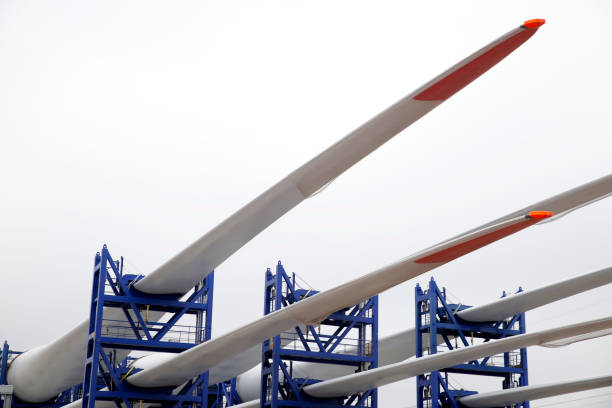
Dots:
{"x": 5, "y": 358}
{"x": 436, "y": 318}
{"x": 347, "y": 337}
{"x": 225, "y": 394}
{"x": 119, "y": 322}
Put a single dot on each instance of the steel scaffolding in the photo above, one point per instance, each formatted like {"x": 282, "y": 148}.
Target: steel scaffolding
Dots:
{"x": 348, "y": 337}
{"x": 123, "y": 319}
{"x": 436, "y": 320}
{"x": 225, "y": 394}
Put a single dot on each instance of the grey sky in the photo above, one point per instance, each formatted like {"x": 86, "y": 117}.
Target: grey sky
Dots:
{"x": 144, "y": 124}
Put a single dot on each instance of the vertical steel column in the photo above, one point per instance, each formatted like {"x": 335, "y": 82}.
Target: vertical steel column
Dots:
{"x": 4, "y": 363}
{"x": 92, "y": 359}
{"x": 418, "y": 313}
{"x": 227, "y": 395}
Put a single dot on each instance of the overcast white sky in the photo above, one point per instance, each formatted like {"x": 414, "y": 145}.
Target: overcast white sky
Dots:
{"x": 144, "y": 124}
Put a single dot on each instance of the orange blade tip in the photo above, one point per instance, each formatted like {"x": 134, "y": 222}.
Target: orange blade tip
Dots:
{"x": 534, "y": 23}
{"x": 540, "y": 215}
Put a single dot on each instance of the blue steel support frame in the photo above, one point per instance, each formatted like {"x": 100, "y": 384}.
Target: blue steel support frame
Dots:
{"x": 225, "y": 394}
{"x": 317, "y": 344}
{"x": 435, "y": 317}
{"x": 114, "y": 290}
{"x": 4, "y": 362}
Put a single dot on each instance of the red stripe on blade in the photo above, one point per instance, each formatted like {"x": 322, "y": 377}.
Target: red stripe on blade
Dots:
{"x": 448, "y": 254}
{"x": 454, "y": 82}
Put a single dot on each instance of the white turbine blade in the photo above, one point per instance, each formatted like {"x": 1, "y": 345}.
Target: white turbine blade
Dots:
{"x": 511, "y": 396}
{"x": 185, "y": 269}
{"x": 44, "y": 372}
{"x": 524, "y": 301}
{"x": 576, "y": 339}
{"x": 378, "y": 377}
{"x": 179, "y": 368}
{"x": 235, "y": 365}
{"x": 397, "y": 347}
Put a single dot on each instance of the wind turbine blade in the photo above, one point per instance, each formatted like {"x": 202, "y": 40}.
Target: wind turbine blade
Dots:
{"x": 576, "y": 339}
{"x": 511, "y": 396}
{"x": 378, "y": 377}
{"x": 521, "y": 302}
{"x": 186, "y": 268}
{"x": 179, "y": 368}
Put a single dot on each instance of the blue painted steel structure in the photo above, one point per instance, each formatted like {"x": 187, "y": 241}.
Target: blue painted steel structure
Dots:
{"x": 435, "y": 318}
{"x": 7, "y": 356}
{"x": 225, "y": 394}
{"x": 347, "y": 337}
{"x": 187, "y": 324}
